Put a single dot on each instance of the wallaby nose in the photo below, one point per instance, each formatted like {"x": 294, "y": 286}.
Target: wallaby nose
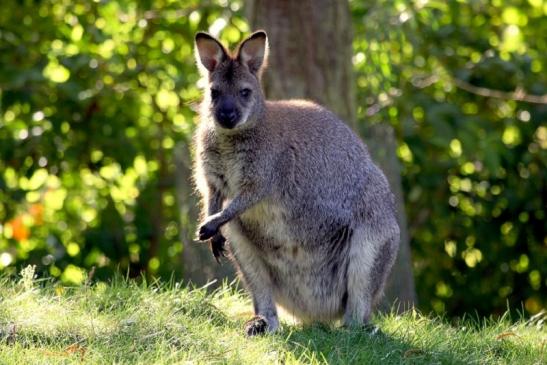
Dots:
{"x": 228, "y": 115}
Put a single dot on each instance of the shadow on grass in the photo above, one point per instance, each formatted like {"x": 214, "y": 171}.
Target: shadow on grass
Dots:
{"x": 331, "y": 345}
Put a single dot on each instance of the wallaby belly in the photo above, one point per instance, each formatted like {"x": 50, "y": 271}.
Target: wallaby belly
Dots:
{"x": 306, "y": 281}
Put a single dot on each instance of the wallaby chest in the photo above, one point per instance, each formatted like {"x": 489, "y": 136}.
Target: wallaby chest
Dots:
{"x": 229, "y": 163}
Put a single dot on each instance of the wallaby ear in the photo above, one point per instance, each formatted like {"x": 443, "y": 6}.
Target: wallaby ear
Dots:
{"x": 208, "y": 51}
{"x": 253, "y": 51}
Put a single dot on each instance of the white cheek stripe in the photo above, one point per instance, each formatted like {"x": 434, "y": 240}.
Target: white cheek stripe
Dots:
{"x": 244, "y": 118}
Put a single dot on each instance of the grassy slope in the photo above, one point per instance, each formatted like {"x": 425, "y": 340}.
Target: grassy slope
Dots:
{"x": 129, "y": 323}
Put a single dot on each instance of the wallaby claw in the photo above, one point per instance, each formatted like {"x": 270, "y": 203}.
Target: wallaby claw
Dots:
{"x": 256, "y": 326}
{"x": 217, "y": 246}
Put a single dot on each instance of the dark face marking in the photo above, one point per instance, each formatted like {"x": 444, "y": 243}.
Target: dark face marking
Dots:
{"x": 228, "y": 73}
{"x": 227, "y": 113}
{"x": 233, "y": 90}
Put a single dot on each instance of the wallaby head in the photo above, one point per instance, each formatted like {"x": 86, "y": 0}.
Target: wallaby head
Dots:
{"x": 233, "y": 94}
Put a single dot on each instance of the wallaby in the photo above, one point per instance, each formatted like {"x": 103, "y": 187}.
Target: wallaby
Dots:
{"x": 310, "y": 220}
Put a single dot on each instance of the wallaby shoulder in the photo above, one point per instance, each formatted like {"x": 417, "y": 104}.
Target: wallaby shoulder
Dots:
{"x": 306, "y": 120}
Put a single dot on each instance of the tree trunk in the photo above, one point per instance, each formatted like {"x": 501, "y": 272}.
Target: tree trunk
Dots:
{"x": 311, "y": 57}
{"x": 310, "y": 46}
{"x": 400, "y": 288}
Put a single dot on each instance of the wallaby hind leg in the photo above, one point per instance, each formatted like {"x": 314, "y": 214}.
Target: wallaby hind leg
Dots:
{"x": 370, "y": 261}
{"x": 382, "y": 267}
{"x": 257, "y": 280}
{"x": 361, "y": 257}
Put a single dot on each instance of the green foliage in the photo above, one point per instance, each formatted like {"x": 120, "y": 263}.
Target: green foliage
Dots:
{"x": 129, "y": 323}
{"x": 95, "y": 95}
{"x": 451, "y": 77}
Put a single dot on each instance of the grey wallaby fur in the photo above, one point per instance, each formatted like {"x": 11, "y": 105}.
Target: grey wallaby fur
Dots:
{"x": 309, "y": 218}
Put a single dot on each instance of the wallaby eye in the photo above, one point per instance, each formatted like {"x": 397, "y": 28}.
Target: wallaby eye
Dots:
{"x": 215, "y": 94}
{"x": 245, "y": 93}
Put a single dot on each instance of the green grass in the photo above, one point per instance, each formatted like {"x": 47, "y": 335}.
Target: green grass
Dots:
{"x": 129, "y": 323}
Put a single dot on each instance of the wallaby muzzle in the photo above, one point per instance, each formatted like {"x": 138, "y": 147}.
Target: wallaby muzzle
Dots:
{"x": 227, "y": 114}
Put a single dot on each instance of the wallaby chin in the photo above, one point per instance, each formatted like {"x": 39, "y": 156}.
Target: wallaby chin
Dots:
{"x": 309, "y": 217}
{"x": 241, "y": 125}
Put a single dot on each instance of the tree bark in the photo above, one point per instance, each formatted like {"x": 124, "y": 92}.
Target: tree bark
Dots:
{"x": 311, "y": 57}
{"x": 400, "y": 288}
{"x": 308, "y": 41}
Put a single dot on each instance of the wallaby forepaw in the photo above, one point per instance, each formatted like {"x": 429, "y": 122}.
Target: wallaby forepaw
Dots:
{"x": 207, "y": 231}
{"x": 256, "y": 326}
{"x": 217, "y": 246}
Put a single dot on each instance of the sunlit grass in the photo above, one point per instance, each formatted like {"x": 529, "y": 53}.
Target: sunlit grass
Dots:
{"x": 165, "y": 323}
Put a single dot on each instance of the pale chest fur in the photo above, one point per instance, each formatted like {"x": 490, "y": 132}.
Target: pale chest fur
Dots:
{"x": 267, "y": 231}
{"x": 271, "y": 222}
{"x": 228, "y": 168}
{"x": 223, "y": 167}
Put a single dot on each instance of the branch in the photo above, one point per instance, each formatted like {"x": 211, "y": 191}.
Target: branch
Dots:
{"x": 518, "y": 94}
